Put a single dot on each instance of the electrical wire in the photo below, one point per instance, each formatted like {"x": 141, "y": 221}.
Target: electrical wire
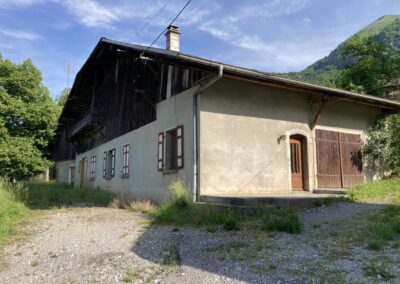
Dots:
{"x": 152, "y": 18}
{"x": 176, "y": 17}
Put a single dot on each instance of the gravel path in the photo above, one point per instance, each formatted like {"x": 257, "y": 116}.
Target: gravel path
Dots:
{"x": 103, "y": 245}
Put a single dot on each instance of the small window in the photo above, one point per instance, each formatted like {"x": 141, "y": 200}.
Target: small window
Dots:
{"x": 92, "y": 168}
{"x": 173, "y": 149}
{"x": 170, "y": 150}
{"x": 125, "y": 160}
{"x": 109, "y": 164}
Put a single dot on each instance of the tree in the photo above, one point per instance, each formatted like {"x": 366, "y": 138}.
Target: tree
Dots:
{"x": 63, "y": 98}
{"x": 371, "y": 65}
{"x": 28, "y": 118}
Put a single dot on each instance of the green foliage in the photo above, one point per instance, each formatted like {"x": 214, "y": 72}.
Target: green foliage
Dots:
{"x": 376, "y": 268}
{"x": 12, "y": 212}
{"x": 326, "y": 71}
{"x": 283, "y": 220}
{"x": 372, "y": 65}
{"x": 382, "y": 149}
{"x": 28, "y": 118}
{"x": 63, "y": 97}
{"x": 384, "y": 190}
{"x": 39, "y": 195}
{"x": 384, "y": 226}
{"x": 326, "y": 201}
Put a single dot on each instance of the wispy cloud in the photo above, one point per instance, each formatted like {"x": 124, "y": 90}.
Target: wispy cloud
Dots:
{"x": 6, "y": 4}
{"x": 18, "y": 34}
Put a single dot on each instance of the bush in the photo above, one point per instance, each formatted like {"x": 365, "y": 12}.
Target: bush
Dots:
{"x": 283, "y": 220}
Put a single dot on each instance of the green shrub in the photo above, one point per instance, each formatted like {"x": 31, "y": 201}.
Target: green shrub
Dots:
{"x": 283, "y": 220}
{"x": 375, "y": 244}
{"x": 231, "y": 224}
{"x": 384, "y": 190}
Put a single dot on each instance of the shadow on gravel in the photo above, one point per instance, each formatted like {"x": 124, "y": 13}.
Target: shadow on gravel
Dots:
{"x": 264, "y": 257}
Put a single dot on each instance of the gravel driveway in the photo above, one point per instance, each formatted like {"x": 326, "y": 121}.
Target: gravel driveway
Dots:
{"x": 112, "y": 246}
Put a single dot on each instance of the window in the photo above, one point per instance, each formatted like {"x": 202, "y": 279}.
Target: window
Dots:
{"x": 125, "y": 160}
{"x": 92, "y": 168}
{"x": 173, "y": 153}
{"x": 109, "y": 164}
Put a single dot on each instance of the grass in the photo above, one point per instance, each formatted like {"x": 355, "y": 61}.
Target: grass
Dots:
{"x": 12, "y": 214}
{"x": 132, "y": 274}
{"x": 40, "y": 195}
{"x": 376, "y": 268}
{"x": 384, "y": 226}
{"x": 180, "y": 210}
{"x": 326, "y": 201}
{"x": 387, "y": 191}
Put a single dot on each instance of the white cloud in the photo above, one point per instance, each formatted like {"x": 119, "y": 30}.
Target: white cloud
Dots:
{"x": 307, "y": 20}
{"x": 18, "y": 34}
{"x": 5, "y": 4}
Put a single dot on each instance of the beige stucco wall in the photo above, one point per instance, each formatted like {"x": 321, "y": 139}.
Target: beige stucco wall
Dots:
{"x": 145, "y": 181}
{"x": 63, "y": 171}
{"x": 245, "y": 130}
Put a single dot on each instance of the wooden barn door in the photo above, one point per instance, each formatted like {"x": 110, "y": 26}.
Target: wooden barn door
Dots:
{"x": 83, "y": 169}
{"x": 339, "y": 160}
{"x": 296, "y": 163}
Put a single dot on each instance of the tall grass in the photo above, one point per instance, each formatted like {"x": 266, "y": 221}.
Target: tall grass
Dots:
{"x": 180, "y": 210}
{"x": 382, "y": 191}
{"x": 12, "y": 212}
{"x": 39, "y": 195}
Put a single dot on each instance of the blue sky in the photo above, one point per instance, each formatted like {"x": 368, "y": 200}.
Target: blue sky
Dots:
{"x": 273, "y": 36}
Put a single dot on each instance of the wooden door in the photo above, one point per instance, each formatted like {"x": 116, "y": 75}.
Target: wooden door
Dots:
{"x": 339, "y": 159}
{"x": 72, "y": 176}
{"x": 83, "y": 168}
{"x": 296, "y": 163}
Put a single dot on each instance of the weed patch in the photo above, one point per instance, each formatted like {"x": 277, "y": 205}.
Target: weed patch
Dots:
{"x": 383, "y": 226}
{"x": 375, "y": 268}
{"x": 326, "y": 201}
{"x": 283, "y": 220}
{"x": 387, "y": 191}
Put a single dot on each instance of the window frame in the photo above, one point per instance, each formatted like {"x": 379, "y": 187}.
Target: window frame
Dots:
{"x": 125, "y": 160}
{"x": 177, "y": 149}
{"x": 92, "y": 170}
{"x": 109, "y": 164}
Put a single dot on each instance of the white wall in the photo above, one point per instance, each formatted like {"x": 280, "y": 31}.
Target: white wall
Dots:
{"x": 145, "y": 181}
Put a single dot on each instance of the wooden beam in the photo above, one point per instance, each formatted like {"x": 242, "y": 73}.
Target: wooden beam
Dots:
{"x": 318, "y": 115}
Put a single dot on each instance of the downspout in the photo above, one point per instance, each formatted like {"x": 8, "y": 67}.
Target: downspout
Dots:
{"x": 201, "y": 89}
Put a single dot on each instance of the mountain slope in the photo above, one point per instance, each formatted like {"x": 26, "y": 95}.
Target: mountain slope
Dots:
{"x": 386, "y": 29}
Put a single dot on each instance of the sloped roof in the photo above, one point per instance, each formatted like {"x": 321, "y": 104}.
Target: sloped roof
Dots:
{"x": 229, "y": 71}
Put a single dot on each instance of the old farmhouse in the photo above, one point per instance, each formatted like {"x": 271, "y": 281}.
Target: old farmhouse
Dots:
{"x": 138, "y": 118}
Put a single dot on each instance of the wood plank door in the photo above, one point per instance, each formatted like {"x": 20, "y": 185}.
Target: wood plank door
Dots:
{"x": 296, "y": 163}
{"x": 339, "y": 159}
{"x": 83, "y": 168}
{"x": 351, "y": 159}
{"x": 328, "y": 159}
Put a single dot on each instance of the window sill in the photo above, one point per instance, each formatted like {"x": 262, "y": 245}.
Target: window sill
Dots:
{"x": 171, "y": 171}
{"x": 125, "y": 176}
{"x": 91, "y": 179}
{"x": 108, "y": 178}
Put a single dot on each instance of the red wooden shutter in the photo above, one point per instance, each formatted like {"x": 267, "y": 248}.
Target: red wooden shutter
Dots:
{"x": 160, "y": 156}
{"x": 179, "y": 147}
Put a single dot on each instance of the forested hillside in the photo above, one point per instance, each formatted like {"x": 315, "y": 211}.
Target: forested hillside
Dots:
{"x": 326, "y": 70}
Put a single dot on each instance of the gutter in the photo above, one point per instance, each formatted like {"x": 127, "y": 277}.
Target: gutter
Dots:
{"x": 201, "y": 89}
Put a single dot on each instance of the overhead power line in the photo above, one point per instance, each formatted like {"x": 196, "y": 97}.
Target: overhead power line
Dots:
{"x": 176, "y": 17}
{"x": 152, "y": 18}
